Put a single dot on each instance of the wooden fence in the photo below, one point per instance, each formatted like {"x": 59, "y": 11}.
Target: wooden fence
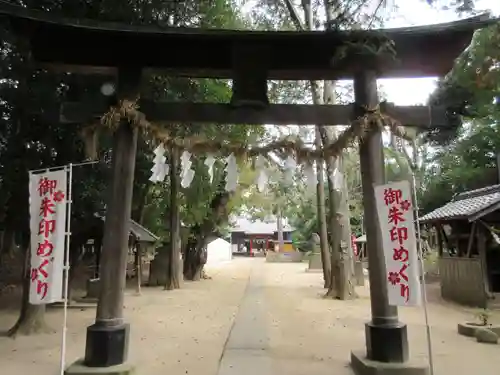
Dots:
{"x": 462, "y": 281}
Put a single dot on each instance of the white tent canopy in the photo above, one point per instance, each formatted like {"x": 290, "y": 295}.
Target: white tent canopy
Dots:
{"x": 218, "y": 251}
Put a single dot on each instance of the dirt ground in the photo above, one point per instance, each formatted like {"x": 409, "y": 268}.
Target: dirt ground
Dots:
{"x": 309, "y": 327}
{"x": 182, "y": 332}
{"x": 186, "y": 331}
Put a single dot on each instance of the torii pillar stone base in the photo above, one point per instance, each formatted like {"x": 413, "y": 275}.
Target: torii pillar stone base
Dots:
{"x": 364, "y": 366}
{"x": 78, "y": 368}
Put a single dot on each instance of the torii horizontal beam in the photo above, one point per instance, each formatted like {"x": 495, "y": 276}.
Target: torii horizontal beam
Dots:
{"x": 85, "y": 45}
{"x": 276, "y": 114}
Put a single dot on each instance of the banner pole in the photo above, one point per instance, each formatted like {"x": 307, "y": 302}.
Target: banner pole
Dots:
{"x": 69, "y": 199}
{"x": 63, "y": 166}
{"x": 422, "y": 269}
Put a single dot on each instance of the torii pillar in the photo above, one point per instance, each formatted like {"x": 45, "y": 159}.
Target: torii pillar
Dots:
{"x": 107, "y": 339}
{"x": 386, "y": 338}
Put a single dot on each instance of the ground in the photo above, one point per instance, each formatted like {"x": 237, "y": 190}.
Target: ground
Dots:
{"x": 253, "y": 316}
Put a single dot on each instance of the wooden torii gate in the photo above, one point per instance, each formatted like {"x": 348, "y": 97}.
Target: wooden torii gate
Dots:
{"x": 249, "y": 58}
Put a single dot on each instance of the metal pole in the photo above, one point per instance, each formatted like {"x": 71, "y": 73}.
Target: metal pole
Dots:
{"x": 63, "y": 166}
{"x": 66, "y": 266}
{"x": 422, "y": 268}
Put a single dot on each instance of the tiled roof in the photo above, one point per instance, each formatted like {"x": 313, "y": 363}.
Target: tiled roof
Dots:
{"x": 466, "y": 205}
{"x": 142, "y": 233}
{"x": 137, "y": 230}
{"x": 257, "y": 226}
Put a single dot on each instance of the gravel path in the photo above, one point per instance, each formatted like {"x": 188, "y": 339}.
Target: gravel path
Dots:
{"x": 315, "y": 335}
{"x": 177, "y": 333}
{"x": 252, "y": 316}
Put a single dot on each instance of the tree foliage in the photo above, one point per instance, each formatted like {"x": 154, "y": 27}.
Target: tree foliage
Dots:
{"x": 32, "y": 138}
{"x": 466, "y": 159}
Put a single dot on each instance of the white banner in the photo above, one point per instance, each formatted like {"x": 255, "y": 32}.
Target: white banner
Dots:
{"x": 395, "y": 214}
{"x": 48, "y": 227}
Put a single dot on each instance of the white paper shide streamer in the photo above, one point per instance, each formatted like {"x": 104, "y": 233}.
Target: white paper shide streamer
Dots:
{"x": 231, "y": 173}
{"x": 290, "y": 167}
{"x": 160, "y": 168}
{"x": 187, "y": 174}
{"x": 47, "y": 225}
{"x": 262, "y": 177}
{"x": 209, "y": 162}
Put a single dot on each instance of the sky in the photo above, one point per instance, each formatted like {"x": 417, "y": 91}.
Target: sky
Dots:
{"x": 417, "y": 13}
{"x": 411, "y": 91}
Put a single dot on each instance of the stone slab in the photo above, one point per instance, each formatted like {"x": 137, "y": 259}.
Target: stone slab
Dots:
{"x": 363, "y": 366}
{"x": 245, "y": 352}
{"x": 486, "y": 336}
{"x": 315, "y": 262}
{"x": 249, "y": 331}
{"x": 78, "y": 368}
{"x": 246, "y": 362}
{"x": 469, "y": 329}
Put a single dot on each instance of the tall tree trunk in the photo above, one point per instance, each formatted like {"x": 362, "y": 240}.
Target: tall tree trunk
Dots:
{"x": 195, "y": 253}
{"x": 346, "y": 228}
{"x": 160, "y": 266}
{"x": 8, "y": 240}
{"x": 172, "y": 280}
{"x": 195, "y": 257}
{"x": 316, "y": 98}
{"x": 279, "y": 224}
{"x": 7, "y": 243}
{"x": 336, "y": 281}
{"x": 323, "y": 227}
{"x": 31, "y": 317}
{"x": 138, "y": 267}
{"x": 344, "y": 268}
{"x": 342, "y": 283}
{"x": 334, "y": 234}
{"x": 138, "y": 211}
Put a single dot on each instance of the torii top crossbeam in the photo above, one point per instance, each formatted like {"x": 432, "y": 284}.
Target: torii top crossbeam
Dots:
{"x": 93, "y": 46}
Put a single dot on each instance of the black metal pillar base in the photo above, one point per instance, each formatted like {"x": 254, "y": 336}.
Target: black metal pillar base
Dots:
{"x": 106, "y": 345}
{"x": 387, "y": 343}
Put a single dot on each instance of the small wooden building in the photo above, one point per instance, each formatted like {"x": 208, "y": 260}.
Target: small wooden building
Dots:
{"x": 94, "y": 230}
{"x": 257, "y": 236}
{"x": 469, "y": 248}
